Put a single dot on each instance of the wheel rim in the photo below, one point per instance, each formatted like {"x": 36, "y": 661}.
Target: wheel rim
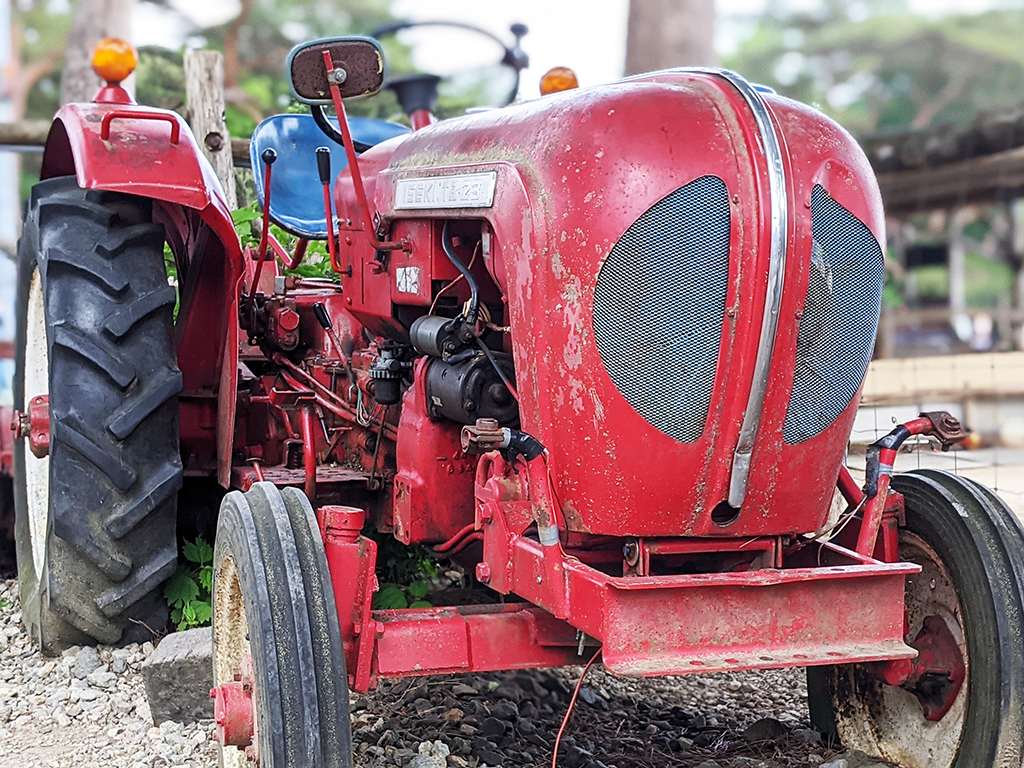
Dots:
{"x": 888, "y": 720}
{"x": 231, "y": 647}
{"x": 37, "y": 382}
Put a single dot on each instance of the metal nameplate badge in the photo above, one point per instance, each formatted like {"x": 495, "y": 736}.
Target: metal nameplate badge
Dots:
{"x": 466, "y": 190}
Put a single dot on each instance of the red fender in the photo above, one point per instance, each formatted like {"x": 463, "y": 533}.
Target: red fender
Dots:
{"x": 151, "y": 152}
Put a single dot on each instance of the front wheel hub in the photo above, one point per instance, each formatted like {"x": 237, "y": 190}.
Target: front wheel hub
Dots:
{"x": 35, "y": 425}
{"x": 233, "y": 711}
{"x": 936, "y": 675}
{"x": 39, "y": 426}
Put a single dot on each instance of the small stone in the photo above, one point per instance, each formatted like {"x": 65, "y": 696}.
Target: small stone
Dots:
{"x": 101, "y": 678}
{"x": 118, "y": 665}
{"x": 809, "y": 735}
{"x": 705, "y": 739}
{"x": 765, "y": 729}
{"x": 403, "y": 755}
{"x": 734, "y": 685}
{"x": 489, "y": 757}
{"x": 422, "y": 705}
{"x": 588, "y": 696}
{"x": 708, "y": 764}
{"x": 493, "y": 728}
{"x": 431, "y": 755}
{"x": 460, "y": 689}
{"x": 88, "y": 661}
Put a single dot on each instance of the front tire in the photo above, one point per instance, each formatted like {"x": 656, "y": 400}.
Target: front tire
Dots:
{"x": 274, "y": 618}
{"x": 971, "y": 548}
{"x": 95, "y": 519}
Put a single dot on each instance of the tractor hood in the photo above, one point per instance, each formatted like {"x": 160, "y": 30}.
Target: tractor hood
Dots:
{"x": 693, "y": 276}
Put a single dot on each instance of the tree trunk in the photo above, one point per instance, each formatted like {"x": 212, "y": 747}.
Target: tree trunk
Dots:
{"x": 204, "y": 95}
{"x": 94, "y": 20}
{"x": 669, "y": 33}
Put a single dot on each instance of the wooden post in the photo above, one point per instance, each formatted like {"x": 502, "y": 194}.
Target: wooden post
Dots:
{"x": 957, "y": 261}
{"x": 204, "y": 94}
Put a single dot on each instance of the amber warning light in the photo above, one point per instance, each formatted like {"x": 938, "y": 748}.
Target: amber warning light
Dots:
{"x": 558, "y": 79}
{"x": 113, "y": 60}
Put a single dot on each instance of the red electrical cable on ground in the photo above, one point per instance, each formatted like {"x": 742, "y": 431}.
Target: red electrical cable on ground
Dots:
{"x": 572, "y": 703}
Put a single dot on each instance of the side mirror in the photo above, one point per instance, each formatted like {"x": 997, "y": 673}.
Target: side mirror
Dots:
{"x": 361, "y": 58}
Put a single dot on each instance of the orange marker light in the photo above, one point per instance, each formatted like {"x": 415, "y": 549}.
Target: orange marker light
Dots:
{"x": 113, "y": 59}
{"x": 558, "y": 79}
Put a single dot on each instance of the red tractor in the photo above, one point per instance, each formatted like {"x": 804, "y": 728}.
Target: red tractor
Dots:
{"x": 603, "y": 348}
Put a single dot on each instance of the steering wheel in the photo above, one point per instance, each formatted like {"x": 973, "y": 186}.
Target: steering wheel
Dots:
{"x": 513, "y": 57}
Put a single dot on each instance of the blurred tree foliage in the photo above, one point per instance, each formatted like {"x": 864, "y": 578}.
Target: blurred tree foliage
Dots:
{"x": 255, "y": 44}
{"x": 39, "y": 29}
{"x": 874, "y": 66}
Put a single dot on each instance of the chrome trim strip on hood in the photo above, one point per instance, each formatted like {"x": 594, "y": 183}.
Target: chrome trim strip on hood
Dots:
{"x": 776, "y": 271}
{"x": 773, "y": 293}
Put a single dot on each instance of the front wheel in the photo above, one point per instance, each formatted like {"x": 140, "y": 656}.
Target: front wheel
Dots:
{"x": 276, "y": 634}
{"x": 971, "y": 550}
{"x": 95, "y": 513}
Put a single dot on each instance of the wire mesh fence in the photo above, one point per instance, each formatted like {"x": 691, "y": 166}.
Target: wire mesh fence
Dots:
{"x": 984, "y": 391}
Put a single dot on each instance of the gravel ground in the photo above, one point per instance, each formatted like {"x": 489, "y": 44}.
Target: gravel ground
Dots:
{"x": 86, "y": 708}
{"x": 89, "y": 708}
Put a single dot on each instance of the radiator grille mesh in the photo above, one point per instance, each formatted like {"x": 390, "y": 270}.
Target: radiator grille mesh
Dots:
{"x": 659, "y": 304}
{"x": 837, "y": 330}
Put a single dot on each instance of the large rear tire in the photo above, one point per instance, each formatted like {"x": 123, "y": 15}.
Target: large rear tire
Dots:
{"x": 95, "y": 519}
{"x": 274, "y": 614}
{"x": 971, "y": 548}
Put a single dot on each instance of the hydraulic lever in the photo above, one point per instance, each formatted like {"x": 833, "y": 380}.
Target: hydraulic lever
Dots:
{"x": 268, "y": 156}
{"x": 323, "y": 167}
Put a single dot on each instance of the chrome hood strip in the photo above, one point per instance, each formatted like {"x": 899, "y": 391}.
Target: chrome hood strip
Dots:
{"x": 773, "y": 294}
{"x": 776, "y": 273}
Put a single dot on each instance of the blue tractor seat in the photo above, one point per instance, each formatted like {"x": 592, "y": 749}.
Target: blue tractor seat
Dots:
{"x": 296, "y": 201}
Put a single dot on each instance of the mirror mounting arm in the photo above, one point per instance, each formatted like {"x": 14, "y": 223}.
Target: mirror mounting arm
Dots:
{"x": 335, "y": 78}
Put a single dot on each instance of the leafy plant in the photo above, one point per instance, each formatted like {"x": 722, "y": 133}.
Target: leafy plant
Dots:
{"x": 404, "y": 574}
{"x": 172, "y": 277}
{"x": 394, "y": 596}
{"x": 188, "y": 589}
{"x": 316, "y": 262}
